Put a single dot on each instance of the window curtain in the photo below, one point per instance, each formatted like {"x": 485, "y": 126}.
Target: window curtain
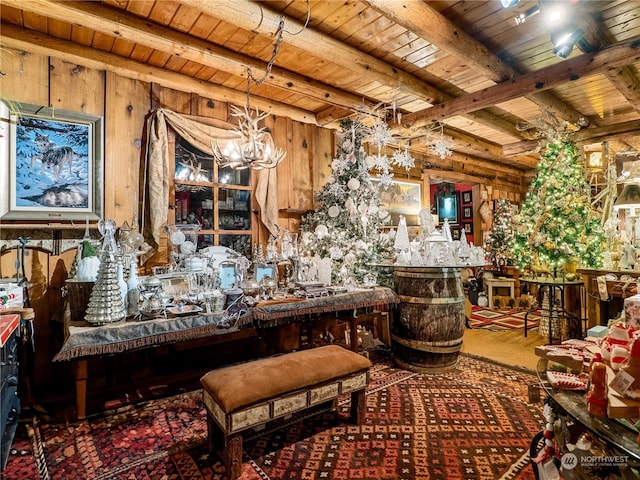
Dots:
{"x": 157, "y": 178}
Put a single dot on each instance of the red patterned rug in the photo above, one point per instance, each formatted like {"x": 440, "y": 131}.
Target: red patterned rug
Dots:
{"x": 503, "y": 319}
{"x": 472, "y": 422}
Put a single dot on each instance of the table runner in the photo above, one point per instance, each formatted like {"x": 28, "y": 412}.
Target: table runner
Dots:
{"x": 86, "y": 341}
{"x": 282, "y": 313}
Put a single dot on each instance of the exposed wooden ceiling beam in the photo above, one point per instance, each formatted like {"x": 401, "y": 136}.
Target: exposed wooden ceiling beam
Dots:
{"x": 458, "y": 177}
{"x": 42, "y": 44}
{"x": 426, "y": 22}
{"x": 254, "y": 17}
{"x": 584, "y": 136}
{"x": 128, "y": 27}
{"x": 617, "y": 55}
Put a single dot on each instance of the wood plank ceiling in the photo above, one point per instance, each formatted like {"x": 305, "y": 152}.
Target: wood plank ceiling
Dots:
{"x": 464, "y": 63}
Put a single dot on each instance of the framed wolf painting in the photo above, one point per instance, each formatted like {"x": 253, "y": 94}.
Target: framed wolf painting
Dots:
{"x": 53, "y": 164}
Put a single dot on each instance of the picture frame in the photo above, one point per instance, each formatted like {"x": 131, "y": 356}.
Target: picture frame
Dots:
{"x": 401, "y": 198}
{"x": 467, "y": 197}
{"x": 455, "y": 233}
{"x": 52, "y": 164}
{"x": 468, "y": 228}
{"x": 447, "y": 208}
{"x": 467, "y": 212}
{"x": 227, "y": 275}
{"x": 262, "y": 271}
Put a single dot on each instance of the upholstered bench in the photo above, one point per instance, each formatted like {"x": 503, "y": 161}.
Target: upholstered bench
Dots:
{"x": 249, "y": 395}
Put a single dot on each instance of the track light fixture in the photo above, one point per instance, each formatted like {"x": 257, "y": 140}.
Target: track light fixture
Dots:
{"x": 522, "y": 17}
{"x": 509, "y": 3}
{"x": 563, "y": 42}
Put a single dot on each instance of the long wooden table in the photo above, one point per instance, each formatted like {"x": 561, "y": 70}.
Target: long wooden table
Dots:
{"x": 84, "y": 341}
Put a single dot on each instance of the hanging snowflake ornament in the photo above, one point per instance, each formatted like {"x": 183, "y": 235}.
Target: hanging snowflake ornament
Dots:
{"x": 439, "y": 143}
{"x": 402, "y": 159}
{"x": 386, "y": 179}
{"x": 380, "y": 134}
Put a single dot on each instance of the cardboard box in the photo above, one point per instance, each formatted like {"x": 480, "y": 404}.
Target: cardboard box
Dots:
{"x": 598, "y": 331}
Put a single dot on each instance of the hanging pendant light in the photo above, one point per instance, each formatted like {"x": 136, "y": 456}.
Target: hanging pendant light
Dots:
{"x": 254, "y": 147}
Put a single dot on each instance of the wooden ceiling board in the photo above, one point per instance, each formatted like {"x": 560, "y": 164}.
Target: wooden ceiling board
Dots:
{"x": 35, "y": 22}
{"x": 122, "y": 47}
{"x": 82, "y": 35}
{"x": 343, "y": 21}
{"x": 159, "y": 59}
{"x": 141, "y": 8}
{"x": 185, "y": 18}
{"x": 163, "y": 11}
{"x": 12, "y": 15}
{"x": 141, "y": 53}
{"x": 105, "y": 42}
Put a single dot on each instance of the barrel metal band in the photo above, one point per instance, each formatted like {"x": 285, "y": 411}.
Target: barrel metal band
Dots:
{"x": 431, "y": 301}
{"x": 426, "y": 346}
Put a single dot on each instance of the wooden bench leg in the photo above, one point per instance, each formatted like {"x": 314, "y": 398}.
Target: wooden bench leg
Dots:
{"x": 358, "y": 406}
{"x": 233, "y": 455}
{"x": 215, "y": 436}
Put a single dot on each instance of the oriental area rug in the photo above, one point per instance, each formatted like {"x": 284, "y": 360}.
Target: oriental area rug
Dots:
{"x": 503, "y": 319}
{"x": 470, "y": 422}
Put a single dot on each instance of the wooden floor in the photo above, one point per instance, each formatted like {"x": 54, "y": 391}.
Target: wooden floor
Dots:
{"x": 510, "y": 347}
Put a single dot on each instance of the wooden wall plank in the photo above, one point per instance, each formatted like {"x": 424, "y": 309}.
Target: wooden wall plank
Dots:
{"x": 300, "y": 161}
{"x": 76, "y": 88}
{"x": 26, "y": 77}
{"x": 126, "y": 108}
{"x": 322, "y": 158}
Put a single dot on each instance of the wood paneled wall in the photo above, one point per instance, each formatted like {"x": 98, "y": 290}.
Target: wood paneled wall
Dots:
{"x": 124, "y": 104}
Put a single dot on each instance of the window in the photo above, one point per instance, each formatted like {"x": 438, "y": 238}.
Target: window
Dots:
{"x": 219, "y": 199}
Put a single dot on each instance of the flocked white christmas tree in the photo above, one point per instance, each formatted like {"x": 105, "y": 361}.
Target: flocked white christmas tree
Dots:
{"x": 346, "y": 225}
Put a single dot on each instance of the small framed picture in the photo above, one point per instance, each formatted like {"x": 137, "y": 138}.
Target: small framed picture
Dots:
{"x": 467, "y": 212}
{"x": 455, "y": 233}
{"x": 467, "y": 197}
{"x": 468, "y": 228}
{"x": 227, "y": 275}
{"x": 265, "y": 270}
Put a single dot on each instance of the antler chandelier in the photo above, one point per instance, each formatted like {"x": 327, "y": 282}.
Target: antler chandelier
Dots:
{"x": 254, "y": 148}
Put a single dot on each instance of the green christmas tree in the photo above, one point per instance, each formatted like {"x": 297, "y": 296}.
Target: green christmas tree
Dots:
{"x": 499, "y": 241}
{"x": 349, "y": 214}
{"x": 556, "y": 224}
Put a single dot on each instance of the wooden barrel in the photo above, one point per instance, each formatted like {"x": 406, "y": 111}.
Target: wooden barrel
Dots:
{"x": 427, "y": 329}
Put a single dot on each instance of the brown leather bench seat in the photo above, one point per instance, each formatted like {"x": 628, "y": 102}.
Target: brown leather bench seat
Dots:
{"x": 249, "y": 395}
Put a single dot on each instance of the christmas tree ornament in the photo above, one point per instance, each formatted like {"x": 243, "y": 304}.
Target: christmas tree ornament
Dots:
{"x": 353, "y": 184}
{"x": 334, "y": 211}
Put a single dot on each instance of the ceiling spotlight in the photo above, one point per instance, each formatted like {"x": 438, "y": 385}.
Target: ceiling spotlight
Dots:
{"x": 509, "y": 3}
{"x": 564, "y": 42}
{"x": 522, "y": 17}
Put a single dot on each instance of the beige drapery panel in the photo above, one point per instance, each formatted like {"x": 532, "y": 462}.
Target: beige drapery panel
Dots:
{"x": 157, "y": 177}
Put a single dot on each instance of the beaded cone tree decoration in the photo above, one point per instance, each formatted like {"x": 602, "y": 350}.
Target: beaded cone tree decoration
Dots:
{"x": 105, "y": 302}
